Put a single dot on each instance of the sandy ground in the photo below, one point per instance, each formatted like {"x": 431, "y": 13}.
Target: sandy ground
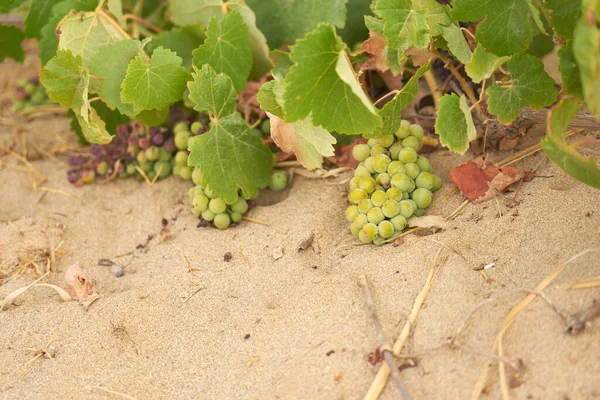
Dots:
{"x": 297, "y": 327}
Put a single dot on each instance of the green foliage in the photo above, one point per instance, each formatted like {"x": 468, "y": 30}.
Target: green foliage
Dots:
{"x": 528, "y": 85}
{"x": 212, "y": 92}
{"x": 483, "y": 64}
{"x": 227, "y": 49}
{"x": 454, "y": 123}
{"x": 36, "y": 19}
{"x": 563, "y": 16}
{"x": 569, "y": 71}
{"x": 10, "y": 43}
{"x": 9, "y": 5}
{"x": 566, "y": 156}
{"x": 586, "y": 48}
{"x": 182, "y": 40}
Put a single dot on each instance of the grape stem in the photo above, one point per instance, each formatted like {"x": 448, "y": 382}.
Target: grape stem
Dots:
{"x": 142, "y": 21}
{"x": 383, "y": 346}
{"x": 393, "y": 92}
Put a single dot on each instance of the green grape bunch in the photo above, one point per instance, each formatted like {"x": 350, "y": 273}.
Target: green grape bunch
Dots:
{"x": 391, "y": 184}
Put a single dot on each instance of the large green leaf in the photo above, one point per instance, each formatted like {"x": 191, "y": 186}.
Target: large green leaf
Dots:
{"x": 182, "y": 40}
{"x": 231, "y": 159}
{"x": 454, "y": 123}
{"x": 212, "y": 92}
{"x": 564, "y": 15}
{"x": 508, "y": 26}
{"x": 322, "y": 84}
{"x": 39, "y": 11}
{"x": 268, "y": 100}
{"x": 483, "y": 64}
{"x": 10, "y": 43}
{"x": 457, "y": 44}
{"x": 569, "y": 71}
{"x": 110, "y": 65}
{"x": 85, "y": 33}
{"x": 586, "y": 48}
{"x": 566, "y": 156}
{"x": 391, "y": 111}
{"x": 190, "y": 12}
{"x": 154, "y": 83}
{"x": 404, "y": 27}
{"x": 284, "y": 21}
{"x": 227, "y": 49}
{"x": 8, "y": 5}
{"x": 529, "y": 85}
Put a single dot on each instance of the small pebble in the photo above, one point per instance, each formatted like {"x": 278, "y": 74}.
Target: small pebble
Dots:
{"x": 117, "y": 271}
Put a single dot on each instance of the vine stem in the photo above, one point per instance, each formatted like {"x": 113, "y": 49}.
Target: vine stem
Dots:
{"x": 393, "y": 92}
{"x": 142, "y": 21}
{"x": 463, "y": 83}
{"x": 433, "y": 88}
{"x": 112, "y": 22}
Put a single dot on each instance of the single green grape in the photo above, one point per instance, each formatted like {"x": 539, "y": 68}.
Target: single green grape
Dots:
{"x": 354, "y": 182}
{"x": 181, "y": 157}
{"x": 394, "y": 193}
{"x": 379, "y": 241}
{"x": 237, "y": 197}
{"x": 364, "y": 206}
{"x": 412, "y": 186}
{"x": 361, "y": 171}
{"x": 408, "y": 154}
{"x": 360, "y": 221}
{"x": 407, "y": 209}
{"x": 390, "y": 208}
{"x": 383, "y": 180}
{"x": 197, "y": 176}
{"x": 176, "y": 169}
{"x": 367, "y": 184}
{"x": 162, "y": 168}
{"x": 356, "y": 195}
{"x": 195, "y": 213}
{"x": 368, "y": 164}
{"x": 185, "y": 172}
{"x": 363, "y": 237}
{"x": 241, "y": 206}
{"x": 265, "y": 126}
{"x": 181, "y": 139}
{"x": 424, "y": 164}
{"x": 419, "y": 212}
{"x": 375, "y": 215}
{"x": 387, "y": 141}
{"x": 401, "y": 181}
{"x": 378, "y": 198}
{"x": 422, "y": 197}
{"x": 372, "y": 142}
{"x": 217, "y": 206}
{"x": 222, "y": 221}
{"x": 412, "y": 170}
{"x": 412, "y": 142}
{"x": 354, "y": 230}
{"x": 385, "y": 229}
{"x": 399, "y": 223}
{"x": 146, "y": 166}
{"x": 361, "y": 151}
{"x": 279, "y": 180}
{"x": 196, "y": 126}
{"x": 352, "y": 212}
{"x": 181, "y": 127}
{"x": 405, "y": 196}
{"x": 416, "y": 131}
{"x": 102, "y": 168}
{"x": 370, "y": 230}
{"x": 130, "y": 169}
{"x": 200, "y": 202}
{"x": 425, "y": 180}
{"x": 88, "y": 176}
{"x": 208, "y": 215}
{"x": 164, "y": 155}
{"x": 236, "y": 216}
{"x": 437, "y": 183}
{"x": 195, "y": 191}
{"x": 141, "y": 157}
{"x": 395, "y": 167}
{"x": 377, "y": 150}
{"x": 395, "y": 150}
{"x": 152, "y": 153}
{"x": 404, "y": 129}
{"x": 381, "y": 162}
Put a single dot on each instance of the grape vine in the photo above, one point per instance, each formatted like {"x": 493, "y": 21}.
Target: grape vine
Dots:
{"x": 115, "y": 61}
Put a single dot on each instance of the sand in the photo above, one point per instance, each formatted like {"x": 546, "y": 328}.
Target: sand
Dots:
{"x": 296, "y": 327}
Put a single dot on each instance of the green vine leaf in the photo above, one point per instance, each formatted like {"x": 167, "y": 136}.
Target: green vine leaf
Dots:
{"x": 391, "y": 111}
{"x": 231, "y": 158}
{"x": 454, "y": 123}
{"x": 183, "y": 40}
{"x": 586, "y": 42}
{"x": 457, "y": 44}
{"x": 39, "y": 10}
{"x": 190, "y": 12}
{"x": 212, "y": 92}
{"x": 110, "y": 64}
{"x": 322, "y": 84}
{"x": 268, "y": 99}
{"x": 8, "y": 5}
{"x": 508, "y": 26}
{"x": 85, "y": 33}
{"x": 569, "y": 71}
{"x": 227, "y": 49}
{"x": 287, "y": 20}
{"x": 154, "y": 83}
{"x": 564, "y": 155}
{"x": 10, "y": 43}
{"x": 403, "y": 26}
{"x": 563, "y": 16}
{"x": 529, "y": 85}
{"x": 483, "y": 64}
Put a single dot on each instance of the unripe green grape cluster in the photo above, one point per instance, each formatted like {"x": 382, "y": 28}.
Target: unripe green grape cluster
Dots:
{"x": 29, "y": 93}
{"x": 183, "y": 134}
{"x": 214, "y": 210}
{"x": 391, "y": 184}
